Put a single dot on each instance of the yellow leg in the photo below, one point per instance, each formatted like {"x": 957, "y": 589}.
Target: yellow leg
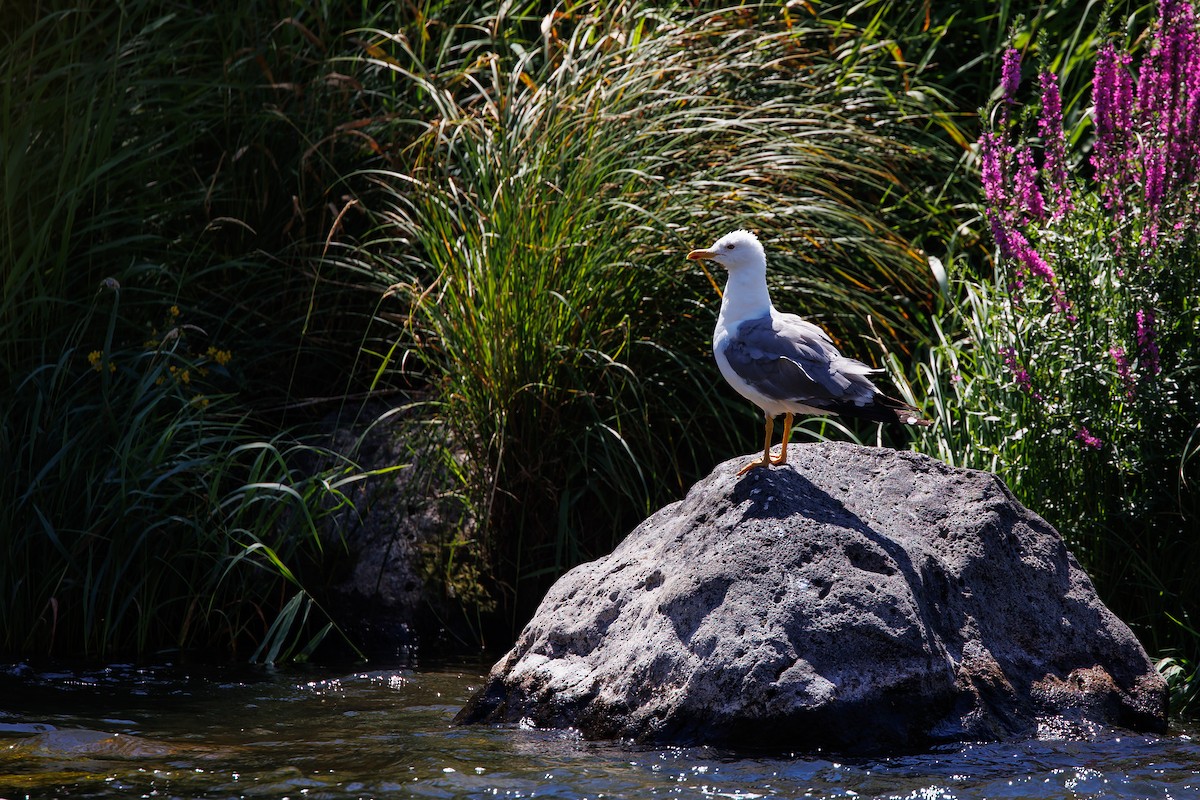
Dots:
{"x": 787, "y": 434}
{"x": 766, "y": 457}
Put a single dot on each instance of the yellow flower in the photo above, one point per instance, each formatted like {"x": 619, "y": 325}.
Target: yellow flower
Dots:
{"x": 174, "y": 311}
{"x": 222, "y": 357}
{"x": 96, "y": 359}
{"x": 185, "y": 376}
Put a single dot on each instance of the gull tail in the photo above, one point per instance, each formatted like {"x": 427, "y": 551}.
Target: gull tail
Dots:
{"x": 905, "y": 414}
{"x": 901, "y": 413}
{"x": 884, "y": 409}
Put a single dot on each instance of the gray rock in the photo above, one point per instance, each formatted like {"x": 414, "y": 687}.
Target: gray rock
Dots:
{"x": 378, "y": 546}
{"x": 856, "y": 600}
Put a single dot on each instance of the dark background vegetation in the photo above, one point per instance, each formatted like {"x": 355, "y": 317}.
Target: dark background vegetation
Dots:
{"x": 222, "y": 230}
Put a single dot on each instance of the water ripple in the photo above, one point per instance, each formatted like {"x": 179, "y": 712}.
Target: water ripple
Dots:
{"x": 123, "y": 730}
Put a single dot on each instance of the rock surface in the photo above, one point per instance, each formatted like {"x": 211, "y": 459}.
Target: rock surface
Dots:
{"x": 856, "y": 600}
{"x": 379, "y": 545}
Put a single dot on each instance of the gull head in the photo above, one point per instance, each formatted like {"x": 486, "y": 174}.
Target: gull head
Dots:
{"x": 734, "y": 251}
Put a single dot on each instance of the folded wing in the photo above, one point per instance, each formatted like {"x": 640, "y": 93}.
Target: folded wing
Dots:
{"x": 786, "y": 358}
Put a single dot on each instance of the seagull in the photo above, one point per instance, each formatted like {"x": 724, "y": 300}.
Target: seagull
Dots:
{"x": 780, "y": 362}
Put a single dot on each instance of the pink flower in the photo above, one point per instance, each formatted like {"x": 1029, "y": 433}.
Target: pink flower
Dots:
{"x": 1112, "y": 96}
{"x": 1050, "y": 128}
{"x": 1010, "y": 75}
{"x": 1030, "y": 262}
{"x": 1123, "y": 371}
{"x": 1087, "y": 439}
{"x": 1166, "y": 100}
{"x": 1019, "y": 374}
{"x": 1029, "y": 196}
{"x": 994, "y": 155}
{"x": 1147, "y": 347}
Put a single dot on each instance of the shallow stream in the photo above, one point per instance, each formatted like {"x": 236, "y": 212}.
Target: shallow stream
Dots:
{"x": 162, "y": 732}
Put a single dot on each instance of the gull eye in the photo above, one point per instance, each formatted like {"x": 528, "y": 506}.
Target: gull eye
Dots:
{"x": 729, "y": 246}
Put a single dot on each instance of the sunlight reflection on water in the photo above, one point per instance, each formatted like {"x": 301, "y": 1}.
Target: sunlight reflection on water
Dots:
{"x": 230, "y": 732}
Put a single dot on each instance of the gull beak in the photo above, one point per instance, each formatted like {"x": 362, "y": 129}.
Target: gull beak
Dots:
{"x": 706, "y": 255}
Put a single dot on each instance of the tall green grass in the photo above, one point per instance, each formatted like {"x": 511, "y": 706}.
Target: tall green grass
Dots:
{"x": 534, "y": 231}
{"x": 164, "y": 188}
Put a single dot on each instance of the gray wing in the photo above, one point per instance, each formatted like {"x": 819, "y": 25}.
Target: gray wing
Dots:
{"x": 786, "y": 358}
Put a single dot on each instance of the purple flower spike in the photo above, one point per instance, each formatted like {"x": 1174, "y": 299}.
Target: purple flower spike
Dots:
{"x": 1086, "y": 438}
{"x": 1123, "y": 371}
{"x": 1010, "y": 74}
{"x": 1029, "y": 196}
{"x": 994, "y": 154}
{"x": 1050, "y": 128}
{"x": 1112, "y": 96}
{"x": 1147, "y": 346}
{"x": 1020, "y": 375}
{"x": 1166, "y": 144}
{"x": 1028, "y": 258}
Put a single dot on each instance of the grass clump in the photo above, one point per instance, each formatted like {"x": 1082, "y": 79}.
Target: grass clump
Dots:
{"x": 534, "y": 230}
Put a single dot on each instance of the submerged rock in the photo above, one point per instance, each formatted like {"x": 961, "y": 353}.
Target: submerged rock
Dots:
{"x": 857, "y": 599}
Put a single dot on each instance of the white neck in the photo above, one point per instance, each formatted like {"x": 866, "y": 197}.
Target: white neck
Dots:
{"x": 745, "y": 295}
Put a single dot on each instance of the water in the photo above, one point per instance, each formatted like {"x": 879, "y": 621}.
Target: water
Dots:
{"x": 164, "y": 732}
